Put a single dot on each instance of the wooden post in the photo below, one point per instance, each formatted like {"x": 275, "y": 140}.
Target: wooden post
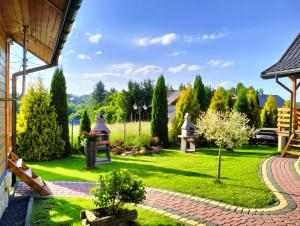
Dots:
{"x": 7, "y": 95}
{"x": 294, "y": 89}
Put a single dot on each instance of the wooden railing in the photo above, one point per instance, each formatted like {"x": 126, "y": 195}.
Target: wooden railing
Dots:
{"x": 283, "y": 121}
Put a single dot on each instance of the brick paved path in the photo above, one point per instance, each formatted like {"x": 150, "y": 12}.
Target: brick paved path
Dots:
{"x": 281, "y": 175}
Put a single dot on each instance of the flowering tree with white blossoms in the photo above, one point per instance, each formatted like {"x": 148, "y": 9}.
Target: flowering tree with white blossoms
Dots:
{"x": 225, "y": 129}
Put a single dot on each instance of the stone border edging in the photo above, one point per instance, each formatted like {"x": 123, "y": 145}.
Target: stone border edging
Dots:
{"x": 297, "y": 167}
{"x": 29, "y": 210}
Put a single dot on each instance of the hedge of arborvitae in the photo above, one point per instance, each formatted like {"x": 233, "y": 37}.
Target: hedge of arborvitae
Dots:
{"x": 159, "y": 114}
{"x": 38, "y": 133}
{"x": 269, "y": 113}
{"x": 218, "y": 101}
{"x": 187, "y": 103}
{"x": 241, "y": 104}
{"x": 59, "y": 101}
{"x": 85, "y": 124}
{"x": 199, "y": 92}
{"x": 229, "y": 100}
{"x": 254, "y": 110}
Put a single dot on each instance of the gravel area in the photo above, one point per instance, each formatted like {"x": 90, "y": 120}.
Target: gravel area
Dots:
{"x": 15, "y": 214}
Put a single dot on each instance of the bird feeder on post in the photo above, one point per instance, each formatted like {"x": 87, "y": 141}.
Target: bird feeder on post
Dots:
{"x": 103, "y": 142}
{"x": 187, "y": 135}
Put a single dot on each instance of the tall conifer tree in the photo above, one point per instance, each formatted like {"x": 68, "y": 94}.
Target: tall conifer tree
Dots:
{"x": 241, "y": 104}
{"x": 218, "y": 102}
{"x": 58, "y": 91}
{"x": 159, "y": 114}
{"x": 269, "y": 113}
{"x": 199, "y": 92}
{"x": 253, "y": 105}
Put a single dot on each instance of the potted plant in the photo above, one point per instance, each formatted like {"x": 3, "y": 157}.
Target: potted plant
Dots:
{"x": 114, "y": 190}
{"x": 89, "y": 142}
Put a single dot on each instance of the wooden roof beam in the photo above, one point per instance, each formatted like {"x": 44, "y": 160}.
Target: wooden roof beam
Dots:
{"x": 32, "y": 38}
{"x": 19, "y": 39}
{"x": 53, "y": 6}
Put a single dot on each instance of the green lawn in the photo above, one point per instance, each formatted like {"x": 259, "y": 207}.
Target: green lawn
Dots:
{"x": 188, "y": 173}
{"x": 65, "y": 211}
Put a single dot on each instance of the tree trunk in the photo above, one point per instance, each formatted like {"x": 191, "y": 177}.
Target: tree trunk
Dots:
{"x": 219, "y": 164}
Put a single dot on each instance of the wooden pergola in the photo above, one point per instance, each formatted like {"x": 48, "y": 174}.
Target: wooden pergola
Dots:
{"x": 288, "y": 118}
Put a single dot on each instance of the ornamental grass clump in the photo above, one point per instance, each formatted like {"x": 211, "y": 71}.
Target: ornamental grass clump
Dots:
{"x": 225, "y": 129}
{"x": 117, "y": 188}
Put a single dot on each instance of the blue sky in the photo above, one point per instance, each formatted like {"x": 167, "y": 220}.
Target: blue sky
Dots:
{"x": 224, "y": 41}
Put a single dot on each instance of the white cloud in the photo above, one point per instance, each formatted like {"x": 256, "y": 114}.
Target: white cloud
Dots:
{"x": 220, "y": 63}
{"x": 148, "y": 70}
{"x": 74, "y": 26}
{"x": 125, "y": 68}
{"x": 214, "y": 62}
{"x": 83, "y": 57}
{"x": 225, "y": 84}
{"x": 99, "y": 52}
{"x": 71, "y": 51}
{"x": 182, "y": 67}
{"x": 227, "y": 64}
{"x": 204, "y": 37}
{"x": 60, "y": 58}
{"x": 213, "y": 36}
{"x": 93, "y": 38}
{"x": 194, "y": 67}
{"x": 101, "y": 75}
{"x": 162, "y": 40}
{"x": 176, "y": 53}
{"x": 178, "y": 68}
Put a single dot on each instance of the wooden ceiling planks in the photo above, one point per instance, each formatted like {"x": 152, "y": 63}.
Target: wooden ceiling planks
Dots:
{"x": 44, "y": 18}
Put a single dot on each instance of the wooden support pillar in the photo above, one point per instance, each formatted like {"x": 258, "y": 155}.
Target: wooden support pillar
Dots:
{"x": 295, "y": 86}
{"x": 7, "y": 95}
{"x": 294, "y": 104}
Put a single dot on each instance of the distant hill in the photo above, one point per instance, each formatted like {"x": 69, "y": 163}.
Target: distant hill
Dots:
{"x": 83, "y": 99}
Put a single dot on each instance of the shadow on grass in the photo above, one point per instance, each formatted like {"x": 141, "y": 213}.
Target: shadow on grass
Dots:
{"x": 247, "y": 151}
{"x": 139, "y": 169}
{"x": 54, "y": 212}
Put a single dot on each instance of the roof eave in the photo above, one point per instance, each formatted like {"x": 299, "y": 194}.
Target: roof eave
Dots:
{"x": 71, "y": 11}
{"x": 284, "y": 73}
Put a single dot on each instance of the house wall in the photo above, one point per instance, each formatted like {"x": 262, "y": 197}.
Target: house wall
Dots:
{"x": 171, "y": 112}
{"x": 3, "y": 134}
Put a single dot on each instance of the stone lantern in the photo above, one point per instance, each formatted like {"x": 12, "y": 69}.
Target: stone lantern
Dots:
{"x": 187, "y": 135}
{"x": 104, "y": 142}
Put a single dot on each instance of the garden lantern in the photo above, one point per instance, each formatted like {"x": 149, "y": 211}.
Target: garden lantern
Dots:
{"x": 103, "y": 134}
{"x": 187, "y": 135}
{"x": 139, "y": 109}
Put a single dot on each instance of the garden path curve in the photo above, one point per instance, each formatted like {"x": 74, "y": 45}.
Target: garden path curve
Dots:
{"x": 281, "y": 175}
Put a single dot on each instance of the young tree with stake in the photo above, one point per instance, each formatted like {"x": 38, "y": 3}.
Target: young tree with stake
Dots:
{"x": 225, "y": 129}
